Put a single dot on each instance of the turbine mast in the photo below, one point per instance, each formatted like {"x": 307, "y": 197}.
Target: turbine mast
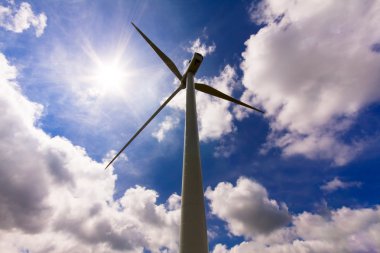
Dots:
{"x": 193, "y": 235}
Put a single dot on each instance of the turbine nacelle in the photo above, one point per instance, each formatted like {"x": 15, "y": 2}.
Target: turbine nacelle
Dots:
{"x": 193, "y": 67}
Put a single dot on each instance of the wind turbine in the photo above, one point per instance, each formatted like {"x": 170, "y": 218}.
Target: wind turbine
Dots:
{"x": 193, "y": 234}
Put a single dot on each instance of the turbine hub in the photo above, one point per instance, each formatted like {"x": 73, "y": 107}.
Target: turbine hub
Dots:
{"x": 195, "y": 63}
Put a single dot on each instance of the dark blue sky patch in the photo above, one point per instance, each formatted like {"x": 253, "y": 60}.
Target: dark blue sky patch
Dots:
{"x": 375, "y": 47}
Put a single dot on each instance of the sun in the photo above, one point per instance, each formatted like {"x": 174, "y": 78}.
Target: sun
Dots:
{"x": 107, "y": 78}
{"x": 110, "y": 75}
{"x": 106, "y": 74}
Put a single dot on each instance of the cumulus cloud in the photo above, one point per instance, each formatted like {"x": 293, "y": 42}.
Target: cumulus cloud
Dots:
{"x": 249, "y": 212}
{"x": 19, "y": 19}
{"x": 214, "y": 117}
{"x": 169, "y": 123}
{"x": 336, "y": 184}
{"x": 247, "y": 208}
{"x": 55, "y": 198}
{"x": 198, "y": 47}
{"x": 313, "y": 69}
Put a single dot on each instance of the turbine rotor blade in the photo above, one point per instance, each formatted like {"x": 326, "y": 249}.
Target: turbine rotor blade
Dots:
{"x": 214, "y": 92}
{"x": 145, "y": 124}
{"x": 163, "y": 56}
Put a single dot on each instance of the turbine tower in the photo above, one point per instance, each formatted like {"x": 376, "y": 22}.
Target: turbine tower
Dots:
{"x": 193, "y": 234}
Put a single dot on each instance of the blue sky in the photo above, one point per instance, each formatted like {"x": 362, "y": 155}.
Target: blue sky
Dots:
{"x": 77, "y": 81}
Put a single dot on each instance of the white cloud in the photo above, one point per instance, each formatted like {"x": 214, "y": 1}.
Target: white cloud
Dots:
{"x": 345, "y": 230}
{"x": 169, "y": 123}
{"x": 7, "y": 72}
{"x": 336, "y": 184}
{"x": 198, "y": 47}
{"x": 247, "y": 208}
{"x": 313, "y": 69}
{"x": 214, "y": 117}
{"x": 18, "y": 20}
{"x": 174, "y": 202}
{"x": 54, "y": 197}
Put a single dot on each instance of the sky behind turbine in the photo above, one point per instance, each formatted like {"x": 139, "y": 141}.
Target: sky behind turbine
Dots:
{"x": 76, "y": 81}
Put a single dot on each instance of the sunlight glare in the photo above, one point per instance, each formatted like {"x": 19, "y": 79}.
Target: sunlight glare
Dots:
{"x": 110, "y": 75}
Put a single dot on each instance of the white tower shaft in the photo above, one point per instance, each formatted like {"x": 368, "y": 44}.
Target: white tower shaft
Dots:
{"x": 193, "y": 235}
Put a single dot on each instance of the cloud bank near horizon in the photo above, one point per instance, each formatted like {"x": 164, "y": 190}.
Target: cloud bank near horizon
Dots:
{"x": 264, "y": 223}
